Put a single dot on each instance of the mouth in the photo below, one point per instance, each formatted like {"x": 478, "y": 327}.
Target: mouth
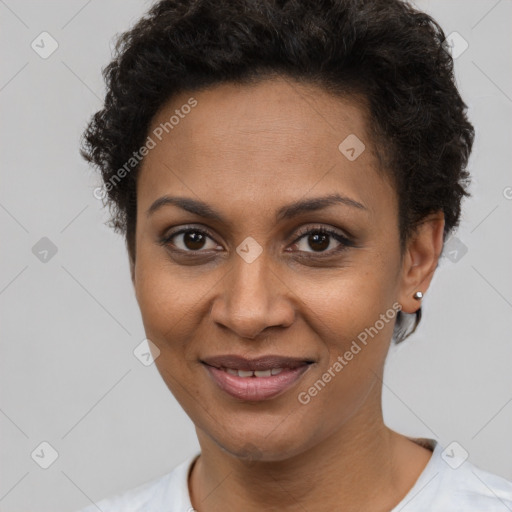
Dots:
{"x": 255, "y": 379}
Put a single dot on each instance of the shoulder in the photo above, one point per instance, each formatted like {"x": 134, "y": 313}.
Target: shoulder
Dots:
{"x": 133, "y": 500}
{"x": 170, "y": 490}
{"x": 450, "y": 483}
{"x": 470, "y": 488}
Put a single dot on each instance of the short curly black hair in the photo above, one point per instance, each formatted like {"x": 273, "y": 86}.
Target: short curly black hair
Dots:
{"x": 385, "y": 51}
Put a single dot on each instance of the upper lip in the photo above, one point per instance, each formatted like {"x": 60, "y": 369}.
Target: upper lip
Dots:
{"x": 260, "y": 363}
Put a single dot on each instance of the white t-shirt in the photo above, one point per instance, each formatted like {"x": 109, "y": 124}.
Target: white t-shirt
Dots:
{"x": 439, "y": 488}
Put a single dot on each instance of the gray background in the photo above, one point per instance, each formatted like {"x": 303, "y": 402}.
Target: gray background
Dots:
{"x": 69, "y": 325}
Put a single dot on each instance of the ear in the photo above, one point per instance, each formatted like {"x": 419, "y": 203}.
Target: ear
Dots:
{"x": 420, "y": 260}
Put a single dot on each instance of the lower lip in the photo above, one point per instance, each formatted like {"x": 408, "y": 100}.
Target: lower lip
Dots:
{"x": 256, "y": 388}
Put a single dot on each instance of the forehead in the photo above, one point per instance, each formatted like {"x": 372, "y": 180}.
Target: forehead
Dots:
{"x": 274, "y": 139}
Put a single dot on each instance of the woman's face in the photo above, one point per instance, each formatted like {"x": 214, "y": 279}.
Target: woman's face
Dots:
{"x": 246, "y": 280}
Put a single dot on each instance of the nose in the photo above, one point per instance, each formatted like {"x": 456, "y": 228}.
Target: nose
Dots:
{"x": 253, "y": 298}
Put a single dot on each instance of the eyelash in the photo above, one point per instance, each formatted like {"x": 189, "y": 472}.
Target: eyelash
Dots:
{"x": 344, "y": 241}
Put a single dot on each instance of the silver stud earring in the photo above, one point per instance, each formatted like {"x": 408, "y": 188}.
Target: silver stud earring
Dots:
{"x": 418, "y": 295}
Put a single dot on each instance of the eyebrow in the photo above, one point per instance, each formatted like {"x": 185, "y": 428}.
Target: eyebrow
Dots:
{"x": 286, "y": 212}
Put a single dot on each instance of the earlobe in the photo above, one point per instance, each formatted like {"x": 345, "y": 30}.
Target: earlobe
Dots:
{"x": 420, "y": 261}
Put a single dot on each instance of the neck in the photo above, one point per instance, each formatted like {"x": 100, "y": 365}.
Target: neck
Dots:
{"x": 363, "y": 465}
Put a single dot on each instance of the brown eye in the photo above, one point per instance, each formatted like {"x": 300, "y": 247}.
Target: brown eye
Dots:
{"x": 190, "y": 240}
{"x": 318, "y": 241}
{"x": 321, "y": 240}
{"x": 193, "y": 240}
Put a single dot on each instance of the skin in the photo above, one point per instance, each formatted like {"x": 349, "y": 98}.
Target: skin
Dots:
{"x": 247, "y": 151}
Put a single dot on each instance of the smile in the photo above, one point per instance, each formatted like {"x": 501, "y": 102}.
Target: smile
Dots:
{"x": 256, "y": 385}
{"x": 255, "y": 373}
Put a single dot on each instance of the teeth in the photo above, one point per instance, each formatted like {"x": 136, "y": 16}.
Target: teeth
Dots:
{"x": 262, "y": 373}
{"x": 256, "y": 373}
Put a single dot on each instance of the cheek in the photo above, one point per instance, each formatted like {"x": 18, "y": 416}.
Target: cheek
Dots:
{"x": 169, "y": 307}
{"x": 167, "y": 294}
{"x": 163, "y": 301}
{"x": 352, "y": 315}
{"x": 340, "y": 305}
{"x": 354, "y": 345}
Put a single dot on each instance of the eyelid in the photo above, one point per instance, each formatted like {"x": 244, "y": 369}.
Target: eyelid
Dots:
{"x": 324, "y": 229}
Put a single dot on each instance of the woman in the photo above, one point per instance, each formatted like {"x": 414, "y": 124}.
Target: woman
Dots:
{"x": 285, "y": 174}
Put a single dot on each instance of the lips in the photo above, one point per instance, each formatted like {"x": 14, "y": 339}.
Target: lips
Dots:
{"x": 255, "y": 379}
{"x": 264, "y": 363}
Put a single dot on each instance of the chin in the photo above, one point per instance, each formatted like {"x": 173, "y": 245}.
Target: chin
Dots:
{"x": 257, "y": 447}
